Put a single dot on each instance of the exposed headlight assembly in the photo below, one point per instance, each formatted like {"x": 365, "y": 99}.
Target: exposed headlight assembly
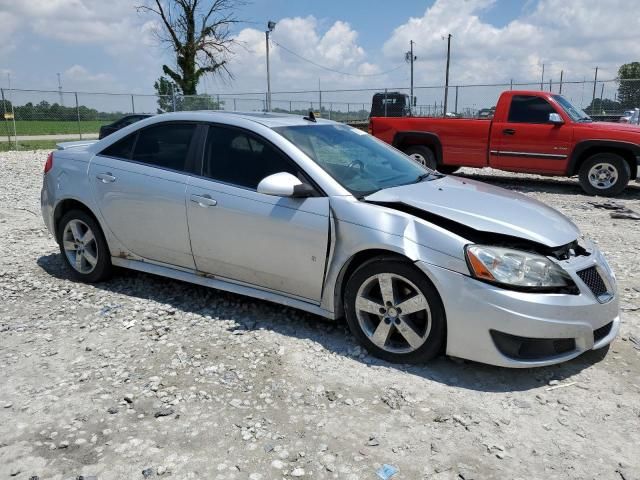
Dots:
{"x": 517, "y": 269}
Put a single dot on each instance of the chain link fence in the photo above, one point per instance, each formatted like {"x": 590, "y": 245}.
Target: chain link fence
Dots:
{"x": 36, "y": 115}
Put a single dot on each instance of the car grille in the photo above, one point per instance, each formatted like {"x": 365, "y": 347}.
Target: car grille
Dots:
{"x": 593, "y": 280}
{"x": 600, "y": 333}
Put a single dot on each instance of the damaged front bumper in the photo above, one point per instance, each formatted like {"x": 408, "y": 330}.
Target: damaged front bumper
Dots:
{"x": 493, "y": 325}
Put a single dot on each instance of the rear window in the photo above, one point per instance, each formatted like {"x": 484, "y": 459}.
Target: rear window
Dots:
{"x": 529, "y": 109}
{"x": 122, "y": 148}
{"x": 164, "y": 145}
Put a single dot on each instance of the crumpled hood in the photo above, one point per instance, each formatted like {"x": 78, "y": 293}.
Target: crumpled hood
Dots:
{"x": 484, "y": 208}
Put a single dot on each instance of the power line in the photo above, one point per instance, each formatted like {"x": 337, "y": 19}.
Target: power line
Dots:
{"x": 331, "y": 69}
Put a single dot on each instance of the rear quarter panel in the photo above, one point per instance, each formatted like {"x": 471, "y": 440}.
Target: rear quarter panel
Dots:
{"x": 69, "y": 180}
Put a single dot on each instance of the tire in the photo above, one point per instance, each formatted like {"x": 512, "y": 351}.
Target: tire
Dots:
{"x": 423, "y": 155}
{"x": 379, "y": 326}
{"x": 448, "y": 169}
{"x": 605, "y": 174}
{"x": 80, "y": 232}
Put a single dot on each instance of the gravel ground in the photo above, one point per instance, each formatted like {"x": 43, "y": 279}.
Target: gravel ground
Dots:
{"x": 144, "y": 377}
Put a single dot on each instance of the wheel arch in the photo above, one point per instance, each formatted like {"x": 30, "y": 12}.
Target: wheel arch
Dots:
{"x": 585, "y": 149}
{"x": 352, "y": 264}
{"x": 402, "y": 140}
{"x": 66, "y": 205}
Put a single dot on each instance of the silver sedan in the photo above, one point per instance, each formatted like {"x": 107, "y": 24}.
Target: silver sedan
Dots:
{"x": 323, "y": 217}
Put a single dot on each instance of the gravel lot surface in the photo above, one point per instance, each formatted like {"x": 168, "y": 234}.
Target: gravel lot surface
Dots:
{"x": 144, "y": 377}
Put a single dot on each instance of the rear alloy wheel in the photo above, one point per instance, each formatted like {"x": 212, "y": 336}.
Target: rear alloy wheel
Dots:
{"x": 395, "y": 312}
{"x": 83, "y": 247}
{"x": 422, "y": 155}
{"x": 605, "y": 174}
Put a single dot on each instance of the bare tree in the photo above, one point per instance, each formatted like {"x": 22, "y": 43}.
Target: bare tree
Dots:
{"x": 198, "y": 31}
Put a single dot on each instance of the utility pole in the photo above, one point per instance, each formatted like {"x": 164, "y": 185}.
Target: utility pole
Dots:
{"x": 60, "y": 91}
{"x": 446, "y": 78}
{"x": 319, "y": 98}
{"x": 595, "y": 81}
{"x": 542, "y": 79}
{"x": 409, "y": 57}
{"x": 270, "y": 26}
{"x": 561, "y": 74}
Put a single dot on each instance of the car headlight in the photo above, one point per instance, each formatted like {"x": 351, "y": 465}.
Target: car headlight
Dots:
{"x": 516, "y": 268}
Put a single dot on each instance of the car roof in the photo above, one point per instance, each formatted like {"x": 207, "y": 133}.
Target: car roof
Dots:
{"x": 268, "y": 119}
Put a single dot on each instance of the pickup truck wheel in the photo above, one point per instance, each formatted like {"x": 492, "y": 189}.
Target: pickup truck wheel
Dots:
{"x": 422, "y": 155}
{"x": 605, "y": 174}
{"x": 84, "y": 247}
{"x": 395, "y": 311}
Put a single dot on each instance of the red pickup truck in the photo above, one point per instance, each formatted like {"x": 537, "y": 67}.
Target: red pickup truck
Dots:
{"x": 534, "y": 132}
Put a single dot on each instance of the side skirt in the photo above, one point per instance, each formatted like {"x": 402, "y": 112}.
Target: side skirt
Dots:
{"x": 220, "y": 284}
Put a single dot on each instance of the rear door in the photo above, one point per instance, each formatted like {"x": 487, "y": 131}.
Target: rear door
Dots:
{"x": 527, "y": 141}
{"x": 139, "y": 184}
{"x": 276, "y": 243}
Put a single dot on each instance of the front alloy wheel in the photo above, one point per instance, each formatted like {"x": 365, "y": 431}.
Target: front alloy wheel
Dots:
{"x": 395, "y": 311}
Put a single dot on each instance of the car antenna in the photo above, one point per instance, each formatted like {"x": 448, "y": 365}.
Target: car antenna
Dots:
{"x": 311, "y": 117}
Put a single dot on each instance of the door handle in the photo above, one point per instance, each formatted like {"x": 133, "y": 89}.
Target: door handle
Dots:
{"x": 204, "y": 200}
{"x": 509, "y": 131}
{"x": 106, "y": 177}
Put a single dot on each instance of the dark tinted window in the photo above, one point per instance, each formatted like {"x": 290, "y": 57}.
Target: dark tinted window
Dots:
{"x": 529, "y": 109}
{"x": 122, "y": 148}
{"x": 235, "y": 157}
{"x": 164, "y": 145}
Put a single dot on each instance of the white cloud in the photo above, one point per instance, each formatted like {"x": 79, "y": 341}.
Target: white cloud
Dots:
{"x": 113, "y": 27}
{"x": 8, "y": 27}
{"x": 336, "y": 48}
{"x": 574, "y": 36}
{"x": 78, "y": 77}
{"x": 564, "y": 35}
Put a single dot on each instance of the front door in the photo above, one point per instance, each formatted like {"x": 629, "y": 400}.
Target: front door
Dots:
{"x": 139, "y": 185}
{"x": 275, "y": 243}
{"x": 527, "y": 141}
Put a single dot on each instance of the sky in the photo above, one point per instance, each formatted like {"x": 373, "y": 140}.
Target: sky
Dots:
{"x": 108, "y": 46}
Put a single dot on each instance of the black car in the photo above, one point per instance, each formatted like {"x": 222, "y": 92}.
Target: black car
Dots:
{"x": 120, "y": 123}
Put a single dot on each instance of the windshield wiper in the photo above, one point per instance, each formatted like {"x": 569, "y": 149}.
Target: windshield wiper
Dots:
{"x": 424, "y": 176}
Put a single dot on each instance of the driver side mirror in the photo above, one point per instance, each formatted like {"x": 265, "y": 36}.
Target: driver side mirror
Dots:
{"x": 284, "y": 184}
{"x": 555, "y": 118}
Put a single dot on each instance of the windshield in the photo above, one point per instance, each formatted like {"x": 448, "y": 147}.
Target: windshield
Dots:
{"x": 359, "y": 162}
{"x": 576, "y": 114}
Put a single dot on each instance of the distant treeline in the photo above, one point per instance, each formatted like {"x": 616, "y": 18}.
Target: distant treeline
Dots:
{"x": 54, "y": 111}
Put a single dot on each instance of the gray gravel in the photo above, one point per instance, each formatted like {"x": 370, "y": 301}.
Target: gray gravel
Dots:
{"x": 143, "y": 377}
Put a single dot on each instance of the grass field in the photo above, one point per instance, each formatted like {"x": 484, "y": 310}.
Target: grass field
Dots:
{"x": 50, "y": 127}
{"x": 29, "y": 145}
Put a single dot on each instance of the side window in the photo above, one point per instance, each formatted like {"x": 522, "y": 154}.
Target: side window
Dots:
{"x": 529, "y": 109}
{"x": 235, "y": 157}
{"x": 122, "y": 148}
{"x": 164, "y": 145}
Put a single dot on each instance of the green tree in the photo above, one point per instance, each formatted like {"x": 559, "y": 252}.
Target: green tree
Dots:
{"x": 606, "y": 106}
{"x": 199, "y": 35}
{"x": 629, "y": 85}
{"x": 166, "y": 90}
